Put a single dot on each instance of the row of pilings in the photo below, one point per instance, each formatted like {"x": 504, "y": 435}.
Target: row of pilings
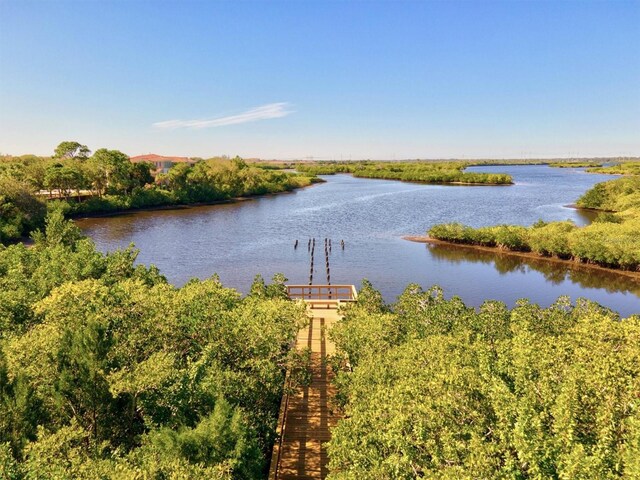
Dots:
{"x": 311, "y": 248}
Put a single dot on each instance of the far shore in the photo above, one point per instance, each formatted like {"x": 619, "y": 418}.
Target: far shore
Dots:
{"x": 529, "y": 255}
{"x": 182, "y": 206}
{"x": 425, "y": 182}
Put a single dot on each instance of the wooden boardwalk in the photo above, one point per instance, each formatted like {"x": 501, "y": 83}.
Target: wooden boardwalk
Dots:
{"x": 306, "y": 416}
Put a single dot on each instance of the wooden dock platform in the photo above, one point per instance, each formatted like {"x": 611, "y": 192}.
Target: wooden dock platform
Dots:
{"x": 306, "y": 415}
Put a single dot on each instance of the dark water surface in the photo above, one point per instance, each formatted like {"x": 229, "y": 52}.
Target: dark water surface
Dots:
{"x": 239, "y": 240}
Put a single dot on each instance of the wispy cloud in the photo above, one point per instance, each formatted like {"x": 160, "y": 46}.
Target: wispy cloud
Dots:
{"x": 265, "y": 112}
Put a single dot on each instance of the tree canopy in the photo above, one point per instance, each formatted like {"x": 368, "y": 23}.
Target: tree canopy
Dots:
{"x": 71, "y": 150}
{"x": 431, "y": 388}
{"x": 107, "y": 371}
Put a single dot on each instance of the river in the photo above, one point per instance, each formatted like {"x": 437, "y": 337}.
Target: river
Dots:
{"x": 239, "y": 240}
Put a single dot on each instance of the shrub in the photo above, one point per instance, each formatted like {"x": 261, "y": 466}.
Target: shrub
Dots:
{"x": 552, "y": 239}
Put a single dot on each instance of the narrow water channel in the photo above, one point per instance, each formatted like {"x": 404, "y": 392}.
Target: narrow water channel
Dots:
{"x": 238, "y": 241}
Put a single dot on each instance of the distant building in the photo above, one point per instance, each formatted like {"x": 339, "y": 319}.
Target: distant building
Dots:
{"x": 162, "y": 164}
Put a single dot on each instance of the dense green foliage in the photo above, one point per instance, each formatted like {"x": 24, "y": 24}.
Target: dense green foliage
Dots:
{"x": 107, "y": 371}
{"x": 605, "y": 243}
{"x": 204, "y": 182}
{"x": 20, "y": 211}
{"x": 431, "y": 388}
{"x": 619, "y": 195}
{"x": 427, "y": 172}
{"x": 612, "y": 241}
{"x": 107, "y": 181}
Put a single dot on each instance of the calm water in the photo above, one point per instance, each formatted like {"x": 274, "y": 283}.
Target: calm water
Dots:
{"x": 239, "y": 240}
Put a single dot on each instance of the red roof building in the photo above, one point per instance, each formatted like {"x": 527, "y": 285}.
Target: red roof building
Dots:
{"x": 162, "y": 163}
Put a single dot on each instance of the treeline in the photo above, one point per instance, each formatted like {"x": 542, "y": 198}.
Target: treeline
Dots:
{"x": 107, "y": 181}
{"x": 109, "y": 372}
{"x": 612, "y": 241}
{"x": 555, "y": 162}
{"x": 418, "y": 171}
{"x": 431, "y": 388}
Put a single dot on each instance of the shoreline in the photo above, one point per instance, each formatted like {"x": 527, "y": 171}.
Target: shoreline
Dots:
{"x": 153, "y": 208}
{"x": 529, "y": 255}
{"x": 181, "y": 206}
{"x": 589, "y": 209}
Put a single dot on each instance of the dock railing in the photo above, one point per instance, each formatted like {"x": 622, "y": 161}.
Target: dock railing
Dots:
{"x": 327, "y": 295}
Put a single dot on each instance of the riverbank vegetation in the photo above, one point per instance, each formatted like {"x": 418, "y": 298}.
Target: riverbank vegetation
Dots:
{"x": 107, "y": 182}
{"x": 612, "y": 241}
{"x": 571, "y": 164}
{"x": 627, "y": 168}
{"x": 431, "y": 388}
{"x": 109, "y": 372}
{"x": 427, "y": 172}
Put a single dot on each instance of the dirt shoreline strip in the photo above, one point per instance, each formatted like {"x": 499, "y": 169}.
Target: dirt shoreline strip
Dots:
{"x": 529, "y": 255}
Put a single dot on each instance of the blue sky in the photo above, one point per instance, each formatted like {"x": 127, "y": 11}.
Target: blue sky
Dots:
{"x": 337, "y": 80}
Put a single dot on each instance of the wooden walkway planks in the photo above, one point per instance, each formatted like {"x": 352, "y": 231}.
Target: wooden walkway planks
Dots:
{"x": 306, "y": 415}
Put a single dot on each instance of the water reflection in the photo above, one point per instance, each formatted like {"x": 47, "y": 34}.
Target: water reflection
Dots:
{"x": 555, "y": 273}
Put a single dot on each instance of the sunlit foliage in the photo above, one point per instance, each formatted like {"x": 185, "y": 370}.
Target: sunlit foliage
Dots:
{"x": 626, "y": 168}
{"x": 20, "y": 211}
{"x": 107, "y": 371}
{"x": 431, "y": 388}
{"x": 616, "y": 195}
